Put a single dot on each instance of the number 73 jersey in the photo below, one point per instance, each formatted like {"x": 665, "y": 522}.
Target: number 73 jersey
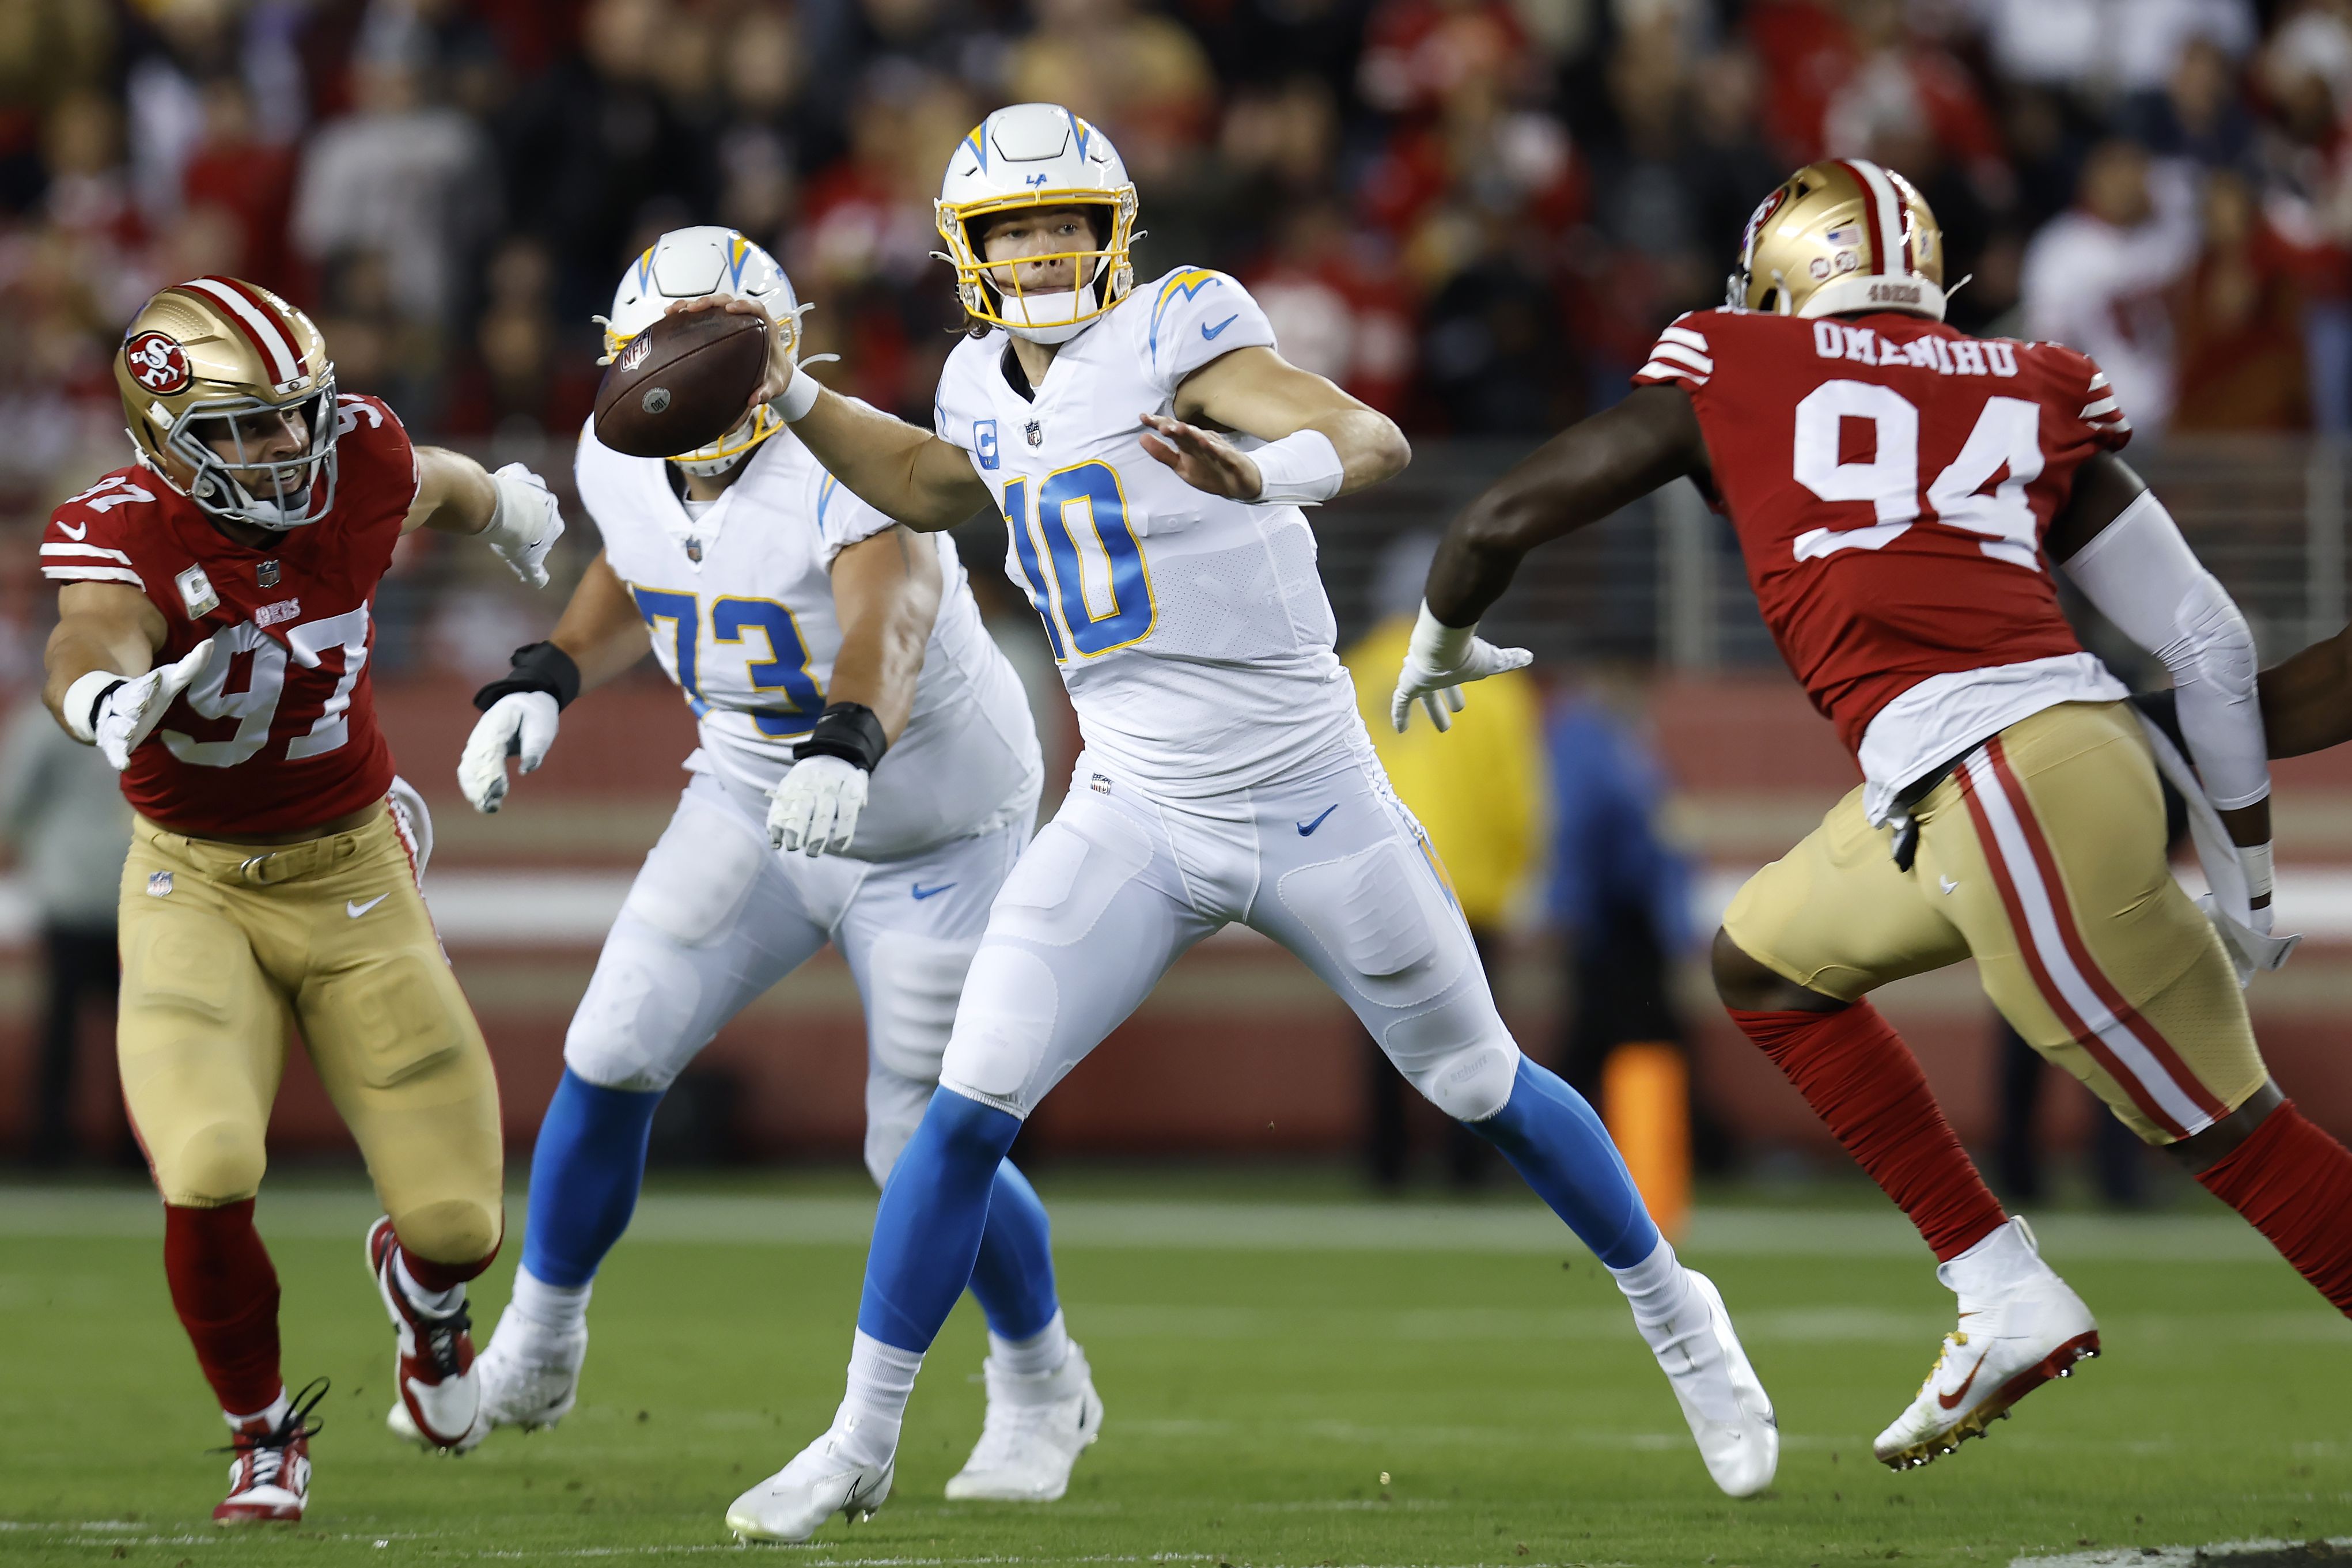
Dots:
{"x": 279, "y": 731}
{"x": 1192, "y": 631}
{"x": 1891, "y": 479}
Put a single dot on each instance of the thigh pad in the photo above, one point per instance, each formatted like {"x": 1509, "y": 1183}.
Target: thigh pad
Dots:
{"x": 698, "y": 876}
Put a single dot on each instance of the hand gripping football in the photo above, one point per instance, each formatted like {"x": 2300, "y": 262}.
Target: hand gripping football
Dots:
{"x": 681, "y": 384}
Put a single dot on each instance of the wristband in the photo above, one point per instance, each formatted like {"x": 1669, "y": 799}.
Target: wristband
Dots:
{"x": 2254, "y": 860}
{"x": 1303, "y": 468}
{"x": 1439, "y": 646}
{"x": 799, "y": 396}
{"x": 539, "y": 667}
{"x": 78, "y": 706}
{"x": 848, "y": 730}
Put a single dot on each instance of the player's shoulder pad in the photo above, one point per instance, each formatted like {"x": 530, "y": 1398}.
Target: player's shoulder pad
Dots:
{"x": 1683, "y": 354}
{"x": 1192, "y": 316}
{"x": 2079, "y": 391}
{"x": 92, "y": 537}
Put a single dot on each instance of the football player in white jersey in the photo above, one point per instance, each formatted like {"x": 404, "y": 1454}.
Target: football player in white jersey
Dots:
{"x": 1225, "y": 777}
{"x": 836, "y": 662}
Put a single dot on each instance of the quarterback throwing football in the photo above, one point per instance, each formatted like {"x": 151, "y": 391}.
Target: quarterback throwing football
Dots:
{"x": 867, "y": 776}
{"x": 213, "y": 639}
{"x": 1226, "y": 777}
{"x": 1902, "y": 493}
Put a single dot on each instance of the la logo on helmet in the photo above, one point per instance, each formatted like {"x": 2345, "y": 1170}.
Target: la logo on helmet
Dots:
{"x": 157, "y": 362}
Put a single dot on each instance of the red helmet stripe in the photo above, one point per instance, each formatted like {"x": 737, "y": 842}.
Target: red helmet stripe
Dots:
{"x": 1888, "y": 241}
{"x": 268, "y": 334}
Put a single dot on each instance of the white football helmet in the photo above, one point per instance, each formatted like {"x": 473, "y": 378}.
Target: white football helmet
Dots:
{"x": 689, "y": 264}
{"x": 1037, "y": 155}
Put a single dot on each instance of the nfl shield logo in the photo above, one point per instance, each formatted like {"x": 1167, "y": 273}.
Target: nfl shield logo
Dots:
{"x": 694, "y": 551}
{"x": 159, "y": 884}
{"x": 1036, "y": 432}
{"x": 267, "y": 572}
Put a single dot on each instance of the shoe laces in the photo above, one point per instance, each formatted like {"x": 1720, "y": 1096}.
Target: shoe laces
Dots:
{"x": 437, "y": 1337}
{"x": 263, "y": 1454}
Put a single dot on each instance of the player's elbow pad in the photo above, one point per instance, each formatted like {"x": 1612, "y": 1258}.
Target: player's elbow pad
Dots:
{"x": 2140, "y": 574}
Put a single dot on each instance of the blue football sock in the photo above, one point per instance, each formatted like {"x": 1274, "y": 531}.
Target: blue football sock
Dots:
{"x": 584, "y": 1176}
{"x": 1013, "y": 1276}
{"x": 934, "y": 1208}
{"x": 1552, "y": 1138}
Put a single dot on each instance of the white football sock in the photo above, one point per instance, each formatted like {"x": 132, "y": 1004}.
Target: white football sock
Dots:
{"x": 563, "y": 1308}
{"x": 275, "y": 1414}
{"x": 437, "y": 1303}
{"x": 1041, "y": 1353}
{"x": 881, "y": 1379}
{"x": 1655, "y": 1288}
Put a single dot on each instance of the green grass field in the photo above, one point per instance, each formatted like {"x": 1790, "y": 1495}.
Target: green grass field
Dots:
{"x": 1305, "y": 1382}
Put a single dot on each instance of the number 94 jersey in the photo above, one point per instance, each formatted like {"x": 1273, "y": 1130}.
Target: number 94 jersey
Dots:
{"x": 1191, "y": 631}
{"x": 1891, "y": 479}
{"x": 740, "y": 601}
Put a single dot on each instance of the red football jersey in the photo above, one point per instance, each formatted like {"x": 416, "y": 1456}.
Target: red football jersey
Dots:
{"x": 1890, "y": 479}
{"x": 280, "y": 732}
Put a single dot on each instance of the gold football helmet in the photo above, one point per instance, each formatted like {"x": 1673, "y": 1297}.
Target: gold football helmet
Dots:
{"x": 213, "y": 365}
{"x": 1838, "y": 235}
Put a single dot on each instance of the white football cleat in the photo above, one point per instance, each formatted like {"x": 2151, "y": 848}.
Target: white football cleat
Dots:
{"x": 531, "y": 1374}
{"x": 1723, "y": 1400}
{"x": 1036, "y": 1427}
{"x": 820, "y": 1482}
{"x": 2020, "y": 1326}
{"x": 434, "y": 1371}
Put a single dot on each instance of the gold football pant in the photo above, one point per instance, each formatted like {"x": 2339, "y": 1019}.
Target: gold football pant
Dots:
{"x": 2042, "y": 857}
{"x": 224, "y": 946}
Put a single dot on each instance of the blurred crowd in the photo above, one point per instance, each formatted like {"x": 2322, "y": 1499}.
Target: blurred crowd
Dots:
{"x": 1474, "y": 213}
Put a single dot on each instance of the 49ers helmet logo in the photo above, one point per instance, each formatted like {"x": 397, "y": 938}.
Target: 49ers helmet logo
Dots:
{"x": 157, "y": 362}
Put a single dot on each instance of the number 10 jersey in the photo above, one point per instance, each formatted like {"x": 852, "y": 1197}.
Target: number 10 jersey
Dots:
{"x": 1192, "y": 631}
{"x": 1891, "y": 479}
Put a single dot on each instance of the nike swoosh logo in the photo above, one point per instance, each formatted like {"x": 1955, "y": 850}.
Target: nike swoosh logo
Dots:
{"x": 1306, "y": 830}
{"x": 1952, "y": 1401}
{"x": 70, "y": 531}
{"x": 920, "y": 891}
{"x": 1210, "y": 332}
{"x": 356, "y": 910}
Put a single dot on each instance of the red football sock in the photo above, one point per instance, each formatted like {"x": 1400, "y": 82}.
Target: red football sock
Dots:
{"x": 2295, "y": 1183}
{"x": 226, "y": 1295}
{"x": 1856, "y": 1073}
{"x": 432, "y": 1276}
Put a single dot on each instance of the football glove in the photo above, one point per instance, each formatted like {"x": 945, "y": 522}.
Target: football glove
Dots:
{"x": 815, "y": 809}
{"x": 1440, "y": 660}
{"x": 525, "y": 523}
{"x": 115, "y": 713}
{"x": 519, "y": 724}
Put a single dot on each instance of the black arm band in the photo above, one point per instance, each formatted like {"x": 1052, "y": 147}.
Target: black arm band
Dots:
{"x": 848, "y": 730}
{"x": 542, "y": 667}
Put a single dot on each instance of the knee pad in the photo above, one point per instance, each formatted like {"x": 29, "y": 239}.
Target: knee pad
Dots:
{"x": 219, "y": 1163}
{"x": 1383, "y": 920}
{"x": 449, "y": 1230}
{"x": 633, "y": 1029}
{"x": 1003, "y": 1028}
{"x": 1459, "y": 1055}
{"x": 913, "y": 984}
{"x": 698, "y": 876}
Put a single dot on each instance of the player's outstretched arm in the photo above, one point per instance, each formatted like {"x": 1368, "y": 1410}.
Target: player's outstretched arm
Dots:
{"x": 1578, "y": 477}
{"x": 2306, "y": 697}
{"x": 892, "y": 465}
{"x": 2123, "y": 550}
{"x": 886, "y": 594}
{"x": 1320, "y": 442}
{"x": 510, "y": 510}
{"x": 98, "y": 671}
{"x": 600, "y": 635}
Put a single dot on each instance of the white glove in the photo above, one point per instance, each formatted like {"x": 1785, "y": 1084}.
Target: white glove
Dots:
{"x": 525, "y": 524}
{"x": 815, "y": 809}
{"x": 1440, "y": 661}
{"x": 520, "y": 722}
{"x": 131, "y": 708}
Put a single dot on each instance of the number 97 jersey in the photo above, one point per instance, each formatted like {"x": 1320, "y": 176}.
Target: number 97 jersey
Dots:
{"x": 1891, "y": 479}
{"x": 1191, "y": 630}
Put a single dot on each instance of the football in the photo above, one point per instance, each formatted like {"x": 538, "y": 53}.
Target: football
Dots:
{"x": 681, "y": 384}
